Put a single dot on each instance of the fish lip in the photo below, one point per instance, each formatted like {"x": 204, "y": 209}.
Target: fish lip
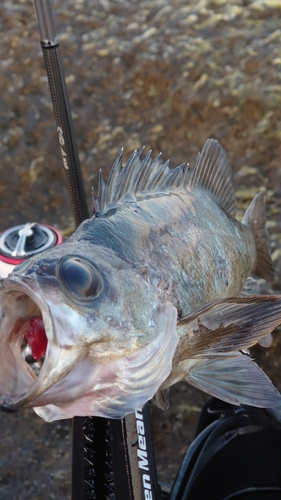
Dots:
{"x": 27, "y": 286}
{"x": 11, "y": 403}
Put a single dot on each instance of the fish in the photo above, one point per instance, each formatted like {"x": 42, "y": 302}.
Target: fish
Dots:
{"x": 146, "y": 292}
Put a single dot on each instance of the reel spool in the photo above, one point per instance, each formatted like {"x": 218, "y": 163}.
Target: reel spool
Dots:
{"x": 21, "y": 242}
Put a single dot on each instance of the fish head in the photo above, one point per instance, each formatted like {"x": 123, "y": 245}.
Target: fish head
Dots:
{"x": 106, "y": 339}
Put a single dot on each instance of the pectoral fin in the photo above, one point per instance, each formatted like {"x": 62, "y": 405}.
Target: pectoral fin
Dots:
{"x": 208, "y": 354}
{"x": 236, "y": 380}
{"x": 266, "y": 341}
{"x": 227, "y": 325}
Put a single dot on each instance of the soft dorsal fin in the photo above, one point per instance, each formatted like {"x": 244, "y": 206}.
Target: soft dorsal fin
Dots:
{"x": 144, "y": 175}
{"x": 212, "y": 172}
{"x": 255, "y": 218}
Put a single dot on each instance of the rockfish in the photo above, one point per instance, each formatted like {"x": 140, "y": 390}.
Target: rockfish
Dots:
{"x": 144, "y": 293}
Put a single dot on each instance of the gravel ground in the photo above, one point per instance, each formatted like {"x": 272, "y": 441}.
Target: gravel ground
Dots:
{"x": 167, "y": 74}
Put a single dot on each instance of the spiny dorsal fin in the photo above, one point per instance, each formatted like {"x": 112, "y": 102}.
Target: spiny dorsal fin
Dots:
{"x": 212, "y": 172}
{"x": 139, "y": 176}
{"x": 142, "y": 176}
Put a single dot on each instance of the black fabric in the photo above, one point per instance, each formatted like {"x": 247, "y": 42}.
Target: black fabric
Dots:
{"x": 236, "y": 455}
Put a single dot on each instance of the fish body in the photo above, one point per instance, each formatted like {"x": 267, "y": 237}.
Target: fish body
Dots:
{"x": 119, "y": 298}
{"x": 190, "y": 259}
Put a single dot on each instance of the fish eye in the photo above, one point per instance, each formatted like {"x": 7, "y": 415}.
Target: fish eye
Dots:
{"x": 80, "y": 278}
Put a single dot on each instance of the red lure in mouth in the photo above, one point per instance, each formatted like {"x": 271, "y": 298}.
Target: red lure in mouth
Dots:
{"x": 35, "y": 335}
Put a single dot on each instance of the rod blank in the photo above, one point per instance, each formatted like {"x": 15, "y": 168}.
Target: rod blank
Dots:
{"x": 46, "y": 23}
{"x": 62, "y": 112}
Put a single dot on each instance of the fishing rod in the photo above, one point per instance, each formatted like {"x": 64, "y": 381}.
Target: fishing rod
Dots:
{"x": 111, "y": 458}
{"x": 62, "y": 112}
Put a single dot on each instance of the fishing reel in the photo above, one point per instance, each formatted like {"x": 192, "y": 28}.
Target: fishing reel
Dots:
{"x": 21, "y": 242}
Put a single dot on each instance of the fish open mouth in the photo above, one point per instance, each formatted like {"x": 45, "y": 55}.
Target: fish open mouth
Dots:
{"x": 28, "y": 331}
{"x": 23, "y": 341}
{"x": 32, "y": 361}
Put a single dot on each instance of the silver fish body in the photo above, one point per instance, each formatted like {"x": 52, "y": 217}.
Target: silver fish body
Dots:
{"x": 119, "y": 298}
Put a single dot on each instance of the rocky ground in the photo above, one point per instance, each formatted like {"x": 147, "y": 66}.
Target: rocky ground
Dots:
{"x": 166, "y": 74}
